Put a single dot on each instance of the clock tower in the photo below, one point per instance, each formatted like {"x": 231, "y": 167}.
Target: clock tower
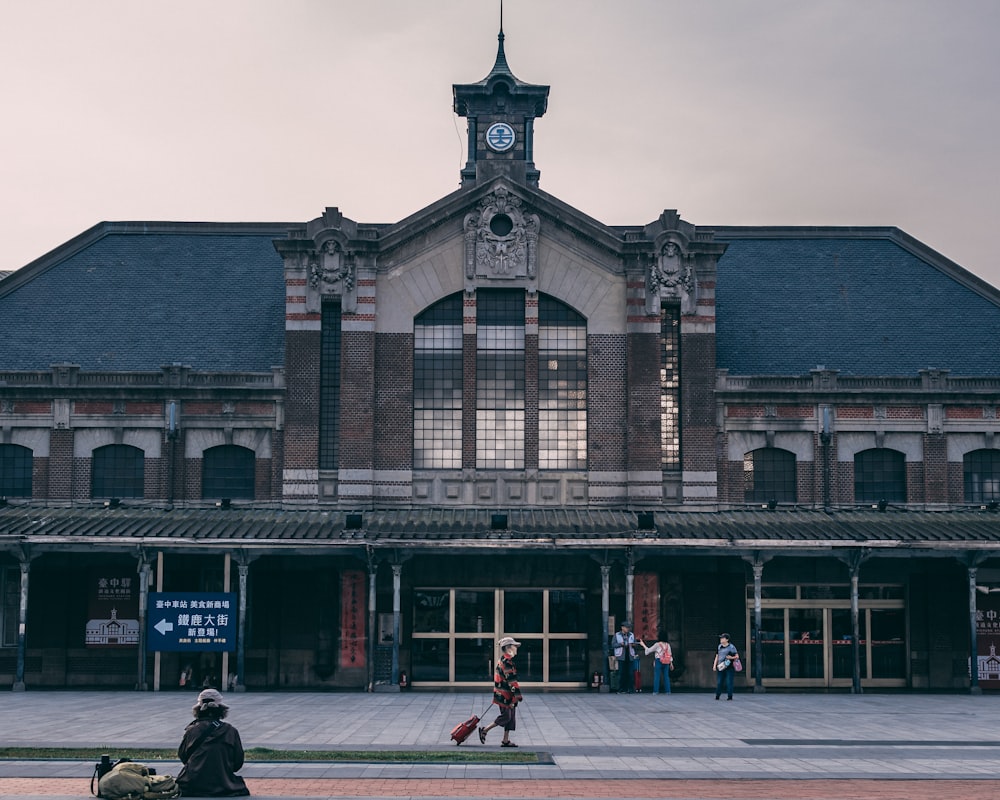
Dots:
{"x": 501, "y": 111}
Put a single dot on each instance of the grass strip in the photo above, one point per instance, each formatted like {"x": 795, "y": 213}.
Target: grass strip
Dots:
{"x": 456, "y": 755}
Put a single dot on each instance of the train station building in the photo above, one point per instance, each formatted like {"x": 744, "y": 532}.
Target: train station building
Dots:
{"x": 394, "y": 443}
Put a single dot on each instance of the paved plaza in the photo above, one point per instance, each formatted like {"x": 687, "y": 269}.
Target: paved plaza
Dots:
{"x": 591, "y": 745}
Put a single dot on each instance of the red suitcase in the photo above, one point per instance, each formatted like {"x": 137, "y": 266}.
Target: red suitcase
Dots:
{"x": 463, "y": 730}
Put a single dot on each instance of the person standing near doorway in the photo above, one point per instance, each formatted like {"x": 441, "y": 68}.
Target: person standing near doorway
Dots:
{"x": 625, "y": 655}
{"x": 723, "y": 666}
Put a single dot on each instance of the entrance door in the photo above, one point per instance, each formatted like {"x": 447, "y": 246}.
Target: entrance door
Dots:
{"x": 455, "y": 633}
{"x": 807, "y": 638}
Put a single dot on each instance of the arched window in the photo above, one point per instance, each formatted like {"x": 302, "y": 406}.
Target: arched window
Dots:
{"x": 437, "y": 386}
{"x": 15, "y": 470}
{"x": 506, "y": 385}
{"x": 117, "y": 470}
{"x": 981, "y": 470}
{"x": 879, "y": 474}
{"x": 769, "y": 474}
{"x": 227, "y": 471}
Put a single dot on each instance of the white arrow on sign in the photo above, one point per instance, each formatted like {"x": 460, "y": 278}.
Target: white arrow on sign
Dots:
{"x": 163, "y": 626}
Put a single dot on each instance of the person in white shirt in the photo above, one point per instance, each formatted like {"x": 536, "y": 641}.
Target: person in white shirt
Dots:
{"x": 663, "y": 662}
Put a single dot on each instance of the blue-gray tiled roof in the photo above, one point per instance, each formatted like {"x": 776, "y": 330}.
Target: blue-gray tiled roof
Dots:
{"x": 861, "y": 304}
{"x": 125, "y": 299}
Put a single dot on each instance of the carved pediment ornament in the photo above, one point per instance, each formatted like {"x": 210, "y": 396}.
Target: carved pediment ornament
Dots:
{"x": 670, "y": 272}
{"x": 501, "y": 239}
{"x": 332, "y": 265}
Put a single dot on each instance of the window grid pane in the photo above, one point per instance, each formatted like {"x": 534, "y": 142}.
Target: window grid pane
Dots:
{"x": 437, "y": 386}
{"x": 562, "y": 386}
{"x": 227, "y": 471}
{"x": 117, "y": 470}
{"x": 329, "y": 388}
{"x": 670, "y": 394}
{"x": 15, "y": 470}
{"x": 500, "y": 379}
{"x": 981, "y": 470}
{"x": 879, "y": 474}
{"x": 769, "y": 474}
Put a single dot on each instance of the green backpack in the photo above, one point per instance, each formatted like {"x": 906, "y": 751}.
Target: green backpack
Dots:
{"x": 129, "y": 780}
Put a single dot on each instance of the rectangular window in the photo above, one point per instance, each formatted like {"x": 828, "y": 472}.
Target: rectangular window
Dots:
{"x": 562, "y": 396}
{"x": 437, "y": 396}
{"x": 500, "y": 380}
{"x": 329, "y": 388}
{"x": 670, "y": 391}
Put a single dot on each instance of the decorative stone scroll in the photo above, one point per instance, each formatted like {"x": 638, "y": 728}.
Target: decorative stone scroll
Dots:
{"x": 501, "y": 240}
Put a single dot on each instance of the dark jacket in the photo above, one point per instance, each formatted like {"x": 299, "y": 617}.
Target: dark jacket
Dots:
{"x": 210, "y": 765}
{"x": 506, "y": 690}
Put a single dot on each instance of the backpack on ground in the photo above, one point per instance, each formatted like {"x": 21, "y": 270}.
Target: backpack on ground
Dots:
{"x": 130, "y": 780}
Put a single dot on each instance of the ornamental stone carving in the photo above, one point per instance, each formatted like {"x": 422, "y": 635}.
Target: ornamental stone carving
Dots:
{"x": 501, "y": 240}
{"x": 670, "y": 278}
{"x": 332, "y": 266}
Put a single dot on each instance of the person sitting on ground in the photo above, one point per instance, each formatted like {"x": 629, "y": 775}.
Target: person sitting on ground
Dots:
{"x": 211, "y": 752}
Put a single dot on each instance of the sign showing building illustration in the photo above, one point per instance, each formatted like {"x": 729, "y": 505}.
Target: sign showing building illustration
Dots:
{"x": 987, "y": 635}
{"x": 113, "y": 618}
{"x": 112, "y": 631}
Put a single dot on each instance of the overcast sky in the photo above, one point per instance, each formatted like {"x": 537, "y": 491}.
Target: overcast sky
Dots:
{"x": 734, "y": 112}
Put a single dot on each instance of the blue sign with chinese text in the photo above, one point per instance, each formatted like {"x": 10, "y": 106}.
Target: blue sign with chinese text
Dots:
{"x": 191, "y": 622}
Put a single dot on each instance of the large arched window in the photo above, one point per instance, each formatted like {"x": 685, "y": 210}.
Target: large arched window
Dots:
{"x": 117, "y": 470}
{"x": 227, "y": 471}
{"x": 981, "y": 472}
{"x": 15, "y": 471}
{"x": 769, "y": 474}
{"x": 437, "y": 386}
{"x": 517, "y": 404}
{"x": 879, "y": 474}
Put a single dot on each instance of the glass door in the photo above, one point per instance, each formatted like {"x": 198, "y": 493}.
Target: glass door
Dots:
{"x": 455, "y": 633}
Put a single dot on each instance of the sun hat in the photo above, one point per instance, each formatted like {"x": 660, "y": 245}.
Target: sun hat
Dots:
{"x": 210, "y": 698}
{"x": 507, "y": 641}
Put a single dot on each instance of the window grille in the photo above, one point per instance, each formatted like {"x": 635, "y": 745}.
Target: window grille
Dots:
{"x": 437, "y": 386}
{"x": 769, "y": 474}
{"x": 562, "y": 386}
{"x": 500, "y": 379}
{"x": 329, "y": 388}
{"x": 670, "y": 392}
{"x": 879, "y": 474}
{"x": 15, "y": 470}
{"x": 117, "y": 470}
{"x": 981, "y": 471}
{"x": 228, "y": 471}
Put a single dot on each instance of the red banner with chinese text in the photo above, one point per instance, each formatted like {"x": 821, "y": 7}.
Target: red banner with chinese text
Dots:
{"x": 646, "y": 604}
{"x": 988, "y": 639}
{"x": 352, "y": 619}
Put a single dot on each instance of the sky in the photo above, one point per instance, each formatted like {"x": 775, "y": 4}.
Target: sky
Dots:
{"x": 733, "y": 112}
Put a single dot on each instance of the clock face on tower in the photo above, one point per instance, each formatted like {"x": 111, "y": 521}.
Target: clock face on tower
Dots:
{"x": 500, "y": 137}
